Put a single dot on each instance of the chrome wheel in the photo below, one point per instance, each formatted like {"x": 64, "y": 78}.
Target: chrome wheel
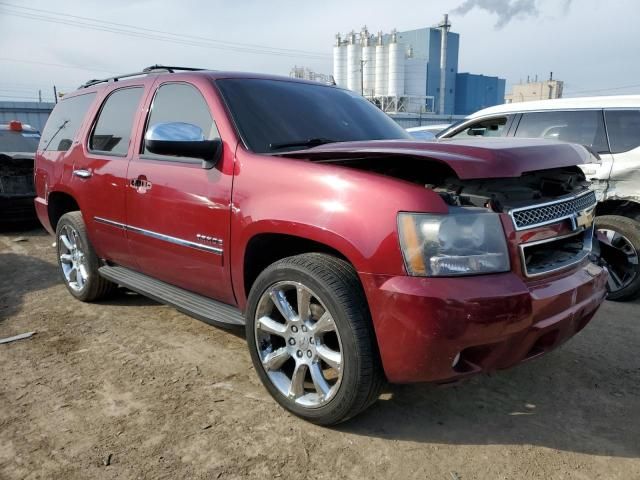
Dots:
{"x": 621, "y": 261}
{"x": 72, "y": 258}
{"x": 298, "y": 344}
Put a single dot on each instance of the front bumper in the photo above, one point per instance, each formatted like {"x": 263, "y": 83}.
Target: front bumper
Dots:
{"x": 482, "y": 323}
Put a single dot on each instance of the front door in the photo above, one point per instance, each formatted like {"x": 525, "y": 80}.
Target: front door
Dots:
{"x": 178, "y": 212}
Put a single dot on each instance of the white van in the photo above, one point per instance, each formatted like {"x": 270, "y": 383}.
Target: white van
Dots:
{"x": 609, "y": 126}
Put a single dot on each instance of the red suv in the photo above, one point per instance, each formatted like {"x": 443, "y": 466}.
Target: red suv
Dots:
{"x": 352, "y": 253}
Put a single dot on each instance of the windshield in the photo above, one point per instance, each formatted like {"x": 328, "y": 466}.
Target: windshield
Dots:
{"x": 18, "y": 141}
{"x": 278, "y": 115}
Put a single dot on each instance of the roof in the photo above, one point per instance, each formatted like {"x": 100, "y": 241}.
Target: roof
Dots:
{"x": 168, "y": 72}
{"x": 578, "y": 103}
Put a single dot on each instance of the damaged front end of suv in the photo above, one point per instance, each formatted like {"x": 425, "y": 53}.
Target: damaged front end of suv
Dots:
{"x": 18, "y": 143}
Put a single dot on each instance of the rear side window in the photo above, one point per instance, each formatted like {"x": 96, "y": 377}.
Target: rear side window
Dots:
{"x": 112, "y": 132}
{"x": 493, "y": 127}
{"x": 181, "y": 102}
{"x": 584, "y": 127}
{"x": 623, "y": 127}
{"x": 64, "y": 122}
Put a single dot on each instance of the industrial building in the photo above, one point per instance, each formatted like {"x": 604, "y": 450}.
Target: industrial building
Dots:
{"x": 31, "y": 113}
{"x": 545, "y": 90}
{"x": 475, "y": 92}
{"x": 412, "y": 72}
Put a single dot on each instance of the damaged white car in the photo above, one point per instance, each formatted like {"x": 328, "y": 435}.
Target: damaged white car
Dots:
{"x": 610, "y": 127}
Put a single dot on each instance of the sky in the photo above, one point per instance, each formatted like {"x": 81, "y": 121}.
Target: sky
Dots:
{"x": 593, "y": 45}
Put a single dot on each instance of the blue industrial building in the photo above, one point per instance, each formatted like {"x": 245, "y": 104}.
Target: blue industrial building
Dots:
{"x": 475, "y": 92}
{"x": 425, "y": 43}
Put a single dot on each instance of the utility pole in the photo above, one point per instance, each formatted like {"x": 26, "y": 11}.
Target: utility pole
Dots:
{"x": 55, "y": 94}
{"x": 362, "y": 62}
{"x": 39, "y": 96}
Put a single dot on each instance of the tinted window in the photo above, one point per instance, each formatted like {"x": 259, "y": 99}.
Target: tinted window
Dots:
{"x": 64, "y": 122}
{"x": 584, "y": 127}
{"x": 112, "y": 132}
{"x": 18, "y": 141}
{"x": 179, "y": 102}
{"x": 493, "y": 127}
{"x": 623, "y": 127}
{"x": 271, "y": 113}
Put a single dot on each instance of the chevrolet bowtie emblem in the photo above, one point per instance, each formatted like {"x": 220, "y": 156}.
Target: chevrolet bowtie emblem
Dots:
{"x": 582, "y": 220}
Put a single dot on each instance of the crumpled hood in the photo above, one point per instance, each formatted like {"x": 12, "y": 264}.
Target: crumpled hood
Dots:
{"x": 469, "y": 159}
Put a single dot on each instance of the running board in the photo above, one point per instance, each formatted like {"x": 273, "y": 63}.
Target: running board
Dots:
{"x": 194, "y": 305}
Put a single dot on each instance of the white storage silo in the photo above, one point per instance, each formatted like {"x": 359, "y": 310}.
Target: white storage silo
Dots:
{"x": 415, "y": 76}
{"x": 396, "y": 67}
{"x": 354, "y": 55}
{"x": 368, "y": 66}
{"x": 415, "y": 83}
{"x": 340, "y": 62}
{"x": 382, "y": 62}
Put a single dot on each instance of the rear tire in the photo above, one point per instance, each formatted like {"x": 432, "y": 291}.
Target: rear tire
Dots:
{"x": 77, "y": 260}
{"x": 624, "y": 274}
{"x": 336, "y": 318}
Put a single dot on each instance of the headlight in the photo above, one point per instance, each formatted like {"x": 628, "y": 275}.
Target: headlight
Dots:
{"x": 459, "y": 243}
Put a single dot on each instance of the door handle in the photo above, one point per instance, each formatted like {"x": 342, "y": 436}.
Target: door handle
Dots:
{"x": 140, "y": 184}
{"x": 82, "y": 173}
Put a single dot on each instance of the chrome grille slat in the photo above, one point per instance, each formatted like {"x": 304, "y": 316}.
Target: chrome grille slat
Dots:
{"x": 551, "y": 212}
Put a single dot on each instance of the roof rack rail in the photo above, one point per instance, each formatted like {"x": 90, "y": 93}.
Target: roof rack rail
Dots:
{"x": 145, "y": 71}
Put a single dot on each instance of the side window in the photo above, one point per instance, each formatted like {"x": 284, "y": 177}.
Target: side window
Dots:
{"x": 493, "y": 127}
{"x": 64, "y": 122}
{"x": 623, "y": 127}
{"x": 181, "y": 102}
{"x": 112, "y": 132}
{"x": 585, "y": 127}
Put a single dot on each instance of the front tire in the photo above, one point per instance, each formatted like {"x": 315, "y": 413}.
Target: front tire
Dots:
{"x": 621, "y": 256}
{"x": 78, "y": 262}
{"x": 311, "y": 339}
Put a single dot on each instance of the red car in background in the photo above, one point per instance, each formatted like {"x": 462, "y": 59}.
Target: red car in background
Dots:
{"x": 351, "y": 254}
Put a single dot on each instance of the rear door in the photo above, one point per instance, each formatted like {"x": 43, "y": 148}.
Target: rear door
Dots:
{"x": 178, "y": 212}
{"x": 584, "y": 127}
{"x": 100, "y": 172}
{"x": 623, "y": 129}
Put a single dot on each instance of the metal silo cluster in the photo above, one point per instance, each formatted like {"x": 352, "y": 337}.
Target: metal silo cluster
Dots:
{"x": 381, "y": 68}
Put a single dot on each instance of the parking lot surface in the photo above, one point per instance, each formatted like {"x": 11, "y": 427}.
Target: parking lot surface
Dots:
{"x": 129, "y": 388}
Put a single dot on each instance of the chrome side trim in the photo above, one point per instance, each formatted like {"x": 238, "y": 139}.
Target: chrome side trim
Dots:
{"x": 546, "y": 204}
{"x": 586, "y": 250}
{"x": 174, "y": 240}
{"x": 160, "y": 236}
{"x": 110, "y": 222}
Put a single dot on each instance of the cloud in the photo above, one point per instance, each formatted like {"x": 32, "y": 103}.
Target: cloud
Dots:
{"x": 506, "y": 10}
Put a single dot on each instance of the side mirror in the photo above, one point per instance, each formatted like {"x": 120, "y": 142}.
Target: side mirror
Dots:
{"x": 182, "y": 140}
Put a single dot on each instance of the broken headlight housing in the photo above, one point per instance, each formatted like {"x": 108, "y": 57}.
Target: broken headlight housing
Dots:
{"x": 463, "y": 242}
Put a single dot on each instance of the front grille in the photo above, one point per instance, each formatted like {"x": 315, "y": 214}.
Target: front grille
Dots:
{"x": 17, "y": 185}
{"x": 551, "y": 212}
{"x": 556, "y": 253}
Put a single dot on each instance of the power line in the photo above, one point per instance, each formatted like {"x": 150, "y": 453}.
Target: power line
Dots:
{"x": 637, "y": 85}
{"x": 61, "y": 65}
{"x": 139, "y": 32}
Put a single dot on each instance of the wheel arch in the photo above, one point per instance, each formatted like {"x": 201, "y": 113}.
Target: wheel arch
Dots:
{"x": 624, "y": 208}
{"x": 59, "y": 203}
{"x": 264, "y": 247}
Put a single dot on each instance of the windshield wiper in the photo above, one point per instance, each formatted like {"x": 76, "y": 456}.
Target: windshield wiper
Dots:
{"x": 311, "y": 142}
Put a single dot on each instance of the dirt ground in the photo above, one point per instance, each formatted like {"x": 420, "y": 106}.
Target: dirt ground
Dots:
{"x": 129, "y": 388}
